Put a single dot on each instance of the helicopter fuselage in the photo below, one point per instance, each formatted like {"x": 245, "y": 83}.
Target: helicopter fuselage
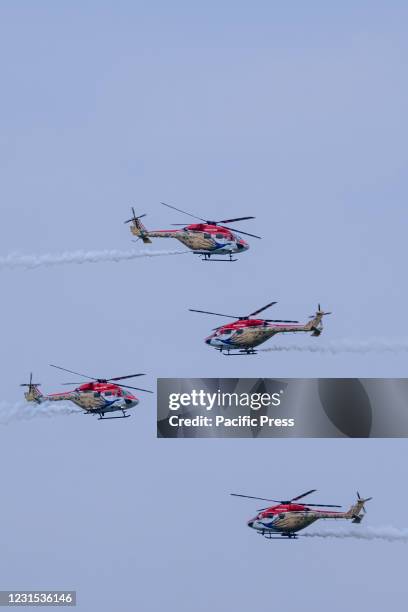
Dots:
{"x": 105, "y": 396}
{"x": 202, "y": 238}
{"x": 287, "y": 519}
{"x": 247, "y": 334}
{"x": 93, "y": 397}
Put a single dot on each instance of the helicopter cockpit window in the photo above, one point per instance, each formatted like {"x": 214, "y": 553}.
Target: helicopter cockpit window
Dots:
{"x": 219, "y": 236}
{"x": 228, "y": 331}
{"x": 281, "y": 516}
{"x": 207, "y": 235}
{"x": 240, "y": 331}
{"x": 108, "y": 392}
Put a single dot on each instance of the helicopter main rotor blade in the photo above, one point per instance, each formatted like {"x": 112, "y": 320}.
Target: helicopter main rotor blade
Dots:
{"x": 252, "y": 497}
{"x": 78, "y": 382}
{"x": 123, "y": 377}
{"x": 218, "y": 314}
{"x": 280, "y": 321}
{"x": 236, "y": 219}
{"x": 288, "y": 501}
{"x": 137, "y": 388}
{"x": 107, "y": 381}
{"x": 223, "y": 226}
{"x": 303, "y": 495}
{"x": 94, "y": 377}
{"x": 183, "y": 211}
{"x": 324, "y": 505}
{"x": 261, "y": 309}
{"x": 233, "y": 229}
{"x": 72, "y": 372}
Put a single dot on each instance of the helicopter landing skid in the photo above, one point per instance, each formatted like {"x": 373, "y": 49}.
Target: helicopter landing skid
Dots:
{"x": 239, "y": 353}
{"x": 102, "y": 418}
{"x": 207, "y": 257}
{"x": 270, "y": 536}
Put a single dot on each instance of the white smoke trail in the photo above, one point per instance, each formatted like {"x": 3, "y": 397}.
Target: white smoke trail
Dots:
{"x": 390, "y": 534}
{"x": 345, "y": 346}
{"x": 15, "y": 260}
{"x": 21, "y": 411}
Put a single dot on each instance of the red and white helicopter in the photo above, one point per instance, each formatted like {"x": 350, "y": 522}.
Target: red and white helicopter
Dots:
{"x": 246, "y": 333}
{"x": 98, "y": 396}
{"x": 288, "y": 517}
{"x": 206, "y": 239}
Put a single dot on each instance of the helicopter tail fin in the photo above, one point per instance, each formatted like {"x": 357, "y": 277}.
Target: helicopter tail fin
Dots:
{"x": 357, "y": 510}
{"x": 33, "y": 394}
{"x": 137, "y": 228}
{"x": 315, "y": 324}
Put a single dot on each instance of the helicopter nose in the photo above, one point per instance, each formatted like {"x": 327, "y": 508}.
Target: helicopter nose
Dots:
{"x": 250, "y": 523}
{"x": 242, "y": 245}
{"x": 208, "y": 340}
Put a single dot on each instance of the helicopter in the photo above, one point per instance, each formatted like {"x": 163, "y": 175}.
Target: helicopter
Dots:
{"x": 207, "y": 238}
{"x": 97, "y": 396}
{"x": 288, "y": 517}
{"x": 240, "y": 337}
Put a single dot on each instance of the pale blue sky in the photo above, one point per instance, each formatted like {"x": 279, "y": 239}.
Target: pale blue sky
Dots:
{"x": 294, "y": 112}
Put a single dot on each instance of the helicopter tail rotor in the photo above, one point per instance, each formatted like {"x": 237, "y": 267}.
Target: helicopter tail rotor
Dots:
{"x": 33, "y": 394}
{"x": 358, "y": 510}
{"x": 137, "y": 228}
{"x": 319, "y": 313}
{"x": 315, "y": 324}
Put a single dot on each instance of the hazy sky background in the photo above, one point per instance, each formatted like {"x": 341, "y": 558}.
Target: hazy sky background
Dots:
{"x": 294, "y": 112}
